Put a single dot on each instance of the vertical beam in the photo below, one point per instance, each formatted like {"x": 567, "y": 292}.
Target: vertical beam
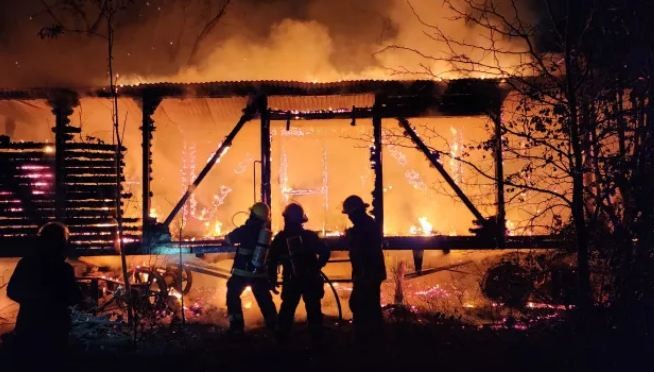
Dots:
{"x": 61, "y": 121}
{"x": 149, "y": 104}
{"x": 62, "y": 104}
{"x": 500, "y": 216}
{"x": 376, "y": 164}
{"x": 266, "y": 190}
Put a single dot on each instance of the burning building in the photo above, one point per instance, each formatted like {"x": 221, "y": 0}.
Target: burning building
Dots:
{"x": 313, "y": 143}
{"x": 194, "y": 156}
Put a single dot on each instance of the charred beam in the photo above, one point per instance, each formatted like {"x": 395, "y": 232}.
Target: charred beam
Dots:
{"x": 433, "y": 159}
{"x": 248, "y": 113}
{"x": 266, "y": 171}
{"x": 149, "y": 103}
{"x": 376, "y": 165}
{"x": 62, "y": 105}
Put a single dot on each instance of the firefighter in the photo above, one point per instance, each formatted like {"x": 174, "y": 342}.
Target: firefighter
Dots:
{"x": 44, "y": 285}
{"x": 252, "y": 241}
{"x": 364, "y": 240}
{"x": 302, "y": 254}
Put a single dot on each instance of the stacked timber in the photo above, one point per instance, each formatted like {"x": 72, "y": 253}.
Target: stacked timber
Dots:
{"x": 81, "y": 192}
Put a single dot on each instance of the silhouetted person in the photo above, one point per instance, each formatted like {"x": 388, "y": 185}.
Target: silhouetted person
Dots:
{"x": 302, "y": 254}
{"x": 44, "y": 285}
{"x": 364, "y": 240}
{"x": 252, "y": 241}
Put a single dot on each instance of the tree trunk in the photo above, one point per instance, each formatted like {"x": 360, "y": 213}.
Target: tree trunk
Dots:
{"x": 584, "y": 299}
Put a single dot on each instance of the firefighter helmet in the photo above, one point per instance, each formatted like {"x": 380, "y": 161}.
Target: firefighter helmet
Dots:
{"x": 294, "y": 213}
{"x": 261, "y": 211}
{"x": 54, "y": 232}
{"x": 354, "y": 203}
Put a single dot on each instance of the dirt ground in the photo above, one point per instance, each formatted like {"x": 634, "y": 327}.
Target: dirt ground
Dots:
{"x": 447, "y": 325}
{"x": 411, "y": 343}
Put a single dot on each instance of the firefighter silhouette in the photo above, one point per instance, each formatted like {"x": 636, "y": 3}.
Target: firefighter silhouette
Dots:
{"x": 364, "y": 240}
{"x": 302, "y": 254}
{"x": 252, "y": 240}
{"x": 44, "y": 285}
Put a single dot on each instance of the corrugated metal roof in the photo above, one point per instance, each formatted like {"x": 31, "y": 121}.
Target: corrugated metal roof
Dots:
{"x": 247, "y": 88}
{"x": 453, "y": 97}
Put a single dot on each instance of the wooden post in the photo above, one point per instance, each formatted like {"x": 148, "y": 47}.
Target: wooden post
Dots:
{"x": 376, "y": 165}
{"x": 266, "y": 191}
{"x": 62, "y": 103}
{"x": 149, "y": 104}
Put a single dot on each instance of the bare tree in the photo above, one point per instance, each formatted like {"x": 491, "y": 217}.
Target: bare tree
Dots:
{"x": 207, "y": 29}
{"x": 578, "y": 121}
{"x": 96, "y": 18}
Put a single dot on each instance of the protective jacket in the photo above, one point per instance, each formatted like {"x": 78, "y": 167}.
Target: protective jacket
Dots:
{"x": 244, "y": 275}
{"x": 44, "y": 288}
{"x": 364, "y": 240}
{"x": 245, "y": 238}
{"x": 300, "y": 252}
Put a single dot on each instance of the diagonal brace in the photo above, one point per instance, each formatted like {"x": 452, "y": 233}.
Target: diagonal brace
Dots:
{"x": 434, "y": 161}
{"x": 248, "y": 113}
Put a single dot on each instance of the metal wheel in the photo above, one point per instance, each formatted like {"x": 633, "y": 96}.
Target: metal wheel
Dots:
{"x": 172, "y": 276}
{"x": 149, "y": 290}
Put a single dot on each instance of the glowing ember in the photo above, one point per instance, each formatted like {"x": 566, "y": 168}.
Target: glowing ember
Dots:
{"x": 48, "y": 149}
{"x": 172, "y": 292}
{"x": 434, "y": 292}
{"x": 221, "y": 155}
{"x": 39, "y": 175}
{"x": 33, "y": 167}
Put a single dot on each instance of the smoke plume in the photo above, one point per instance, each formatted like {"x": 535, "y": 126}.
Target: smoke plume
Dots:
{"x": 253, "y": 39}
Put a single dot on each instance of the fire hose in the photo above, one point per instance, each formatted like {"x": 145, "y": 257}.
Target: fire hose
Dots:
{"x": 338, "y": 300}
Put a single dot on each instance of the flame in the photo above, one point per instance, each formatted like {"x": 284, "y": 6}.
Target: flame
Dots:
{"x": 48, "y": 149}
{"x": 425, "y": 226}
{"x": 510, "y": 227}
{"x": 153, "y": 213}
{"x": 213, "y": 229}
{"x": 217, "y": 228}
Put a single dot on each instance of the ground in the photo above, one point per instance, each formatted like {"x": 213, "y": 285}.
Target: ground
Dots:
{"x": 411, "y": 343}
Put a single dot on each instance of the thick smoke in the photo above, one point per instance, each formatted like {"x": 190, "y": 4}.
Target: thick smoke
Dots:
{"x": 255, "y": 39}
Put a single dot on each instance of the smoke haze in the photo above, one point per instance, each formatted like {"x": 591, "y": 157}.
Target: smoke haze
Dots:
{"x": 255, "y": 39}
